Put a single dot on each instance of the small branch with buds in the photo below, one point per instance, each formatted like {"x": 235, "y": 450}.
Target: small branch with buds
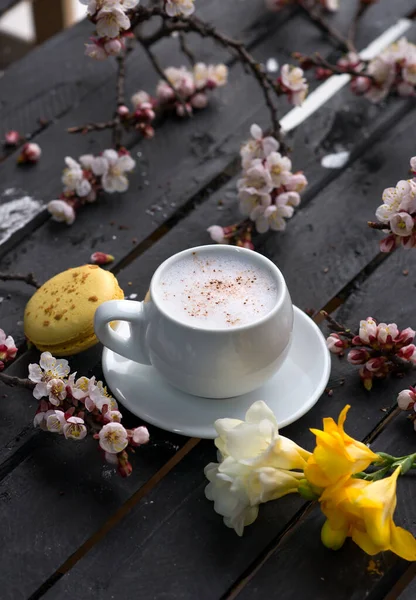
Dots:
{"x": 381, "y": 349}
{"x": 17, "y": 381}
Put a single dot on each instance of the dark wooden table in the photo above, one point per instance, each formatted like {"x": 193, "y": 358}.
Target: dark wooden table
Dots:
{"x": 70, "y": 527}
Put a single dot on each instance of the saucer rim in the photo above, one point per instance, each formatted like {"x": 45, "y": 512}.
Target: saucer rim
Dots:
{"x": 189, "y": 431}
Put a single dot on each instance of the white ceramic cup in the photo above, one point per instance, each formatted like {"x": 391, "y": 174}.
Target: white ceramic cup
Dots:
{"x": 212, "y": 363}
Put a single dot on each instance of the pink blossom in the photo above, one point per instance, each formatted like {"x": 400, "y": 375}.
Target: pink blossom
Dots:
{"x": 177, "y": 8}
{"x": 407, "y": 399}
{"x": 56, "y": 389}
{"x": 113, "y": 47}
{"x": 335, "y": 344}
{"x": 368, "y": 330}
{"x": 96, "y": 51}
{"x": 61, "y": 211}
{"x": 199, "y": 101}
{"x": 358, "y": 356}
{"x": 113, "y": 416}
{"x": 401, "y": 224}
{"x": 8, "y": 348}
{"x": 140, "y": 98}
{"x": 217, "y": 234}
{"x": 30, "y": 153}
{"x": 258, "y": 147}
{"x": 123, "y": 111}
{"x": 55, "y": 421}
{"x": 295, "y": 182}
{"x": 408, "y": 353}
{"x": 293, "y": 84}
{"x": 75, "y": 429}
{"x": 140, "y": 435}
{"x": 388, "y": 244}
{"x": 12, "y": 138}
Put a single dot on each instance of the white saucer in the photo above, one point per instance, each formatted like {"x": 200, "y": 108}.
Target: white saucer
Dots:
{"x": 290, "y": 393}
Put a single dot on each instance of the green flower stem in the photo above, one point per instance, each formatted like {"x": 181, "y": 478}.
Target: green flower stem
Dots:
{"x": 388, "y": 463}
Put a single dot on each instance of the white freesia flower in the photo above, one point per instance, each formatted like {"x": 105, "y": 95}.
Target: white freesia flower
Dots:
{"x": 74, "y": 429}
{"x": 177, "y": 8}
{"x": 55, "y": 422}
{"x": 114, "y": 178}
{"x": 113, "y": 438}
{"x": 61, "y": 211}
{"x": 256, "y": 466}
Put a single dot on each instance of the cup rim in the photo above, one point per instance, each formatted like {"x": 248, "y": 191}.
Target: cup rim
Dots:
{"x": 212, "y": 248}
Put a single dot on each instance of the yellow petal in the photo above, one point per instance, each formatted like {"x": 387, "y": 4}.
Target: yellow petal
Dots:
{"x": 363, "y": 540}
{"x": 403, "y": 543}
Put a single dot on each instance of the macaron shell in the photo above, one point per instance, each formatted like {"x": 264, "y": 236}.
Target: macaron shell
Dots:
{"x": 60, "y": 315}
{"x": 74, "y": 347}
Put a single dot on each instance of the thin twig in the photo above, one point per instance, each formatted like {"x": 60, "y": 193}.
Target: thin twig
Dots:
{"x": 326, "y": 27}
{"x": 320, "y": 61}
{"x": 335, "y": 326}
{"x": 379, "y": 226}
{"x": 162, "y": 74}
{"x": 185, "y": 49}
{"x": 29, "y": 278}
{"x": 121, "y": 77}
{"x": 362, "y": 8}
{"x": 17, "y": 381}
{"x": 93, "y": 127}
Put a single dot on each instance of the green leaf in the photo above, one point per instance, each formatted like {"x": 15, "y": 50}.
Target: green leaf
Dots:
{"x": 406, "y": 464}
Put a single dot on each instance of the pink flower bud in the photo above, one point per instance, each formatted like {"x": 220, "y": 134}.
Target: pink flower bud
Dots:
{"x": 123, "y": 111}
{"x": 217, "y": 234}
{"x": 183, "y": 111}
{"x": 335, "y": 344}
{"x": 113, "y": 47}
{"x": 199, "y": 101}
{"x": 358, "y": 356}
{"x": 30, "y": 153}
{"x": 360, "y": 85}
{"x": 406, "y": 336}
{"x": 388, "y": 243}
{"x": 406, "y": 399}
{"x": 124, "y": 467}
{"x": 321, "y": 73}
{"x": 408, "y": 353}
{"x": 12, "y": 138}
{"x": 100, "y": 258}
{"x": 375, "y": 364}
{"x": 148, "y": 132}
{"x": 140, "y": 435}
{"x": 367, "y": 378}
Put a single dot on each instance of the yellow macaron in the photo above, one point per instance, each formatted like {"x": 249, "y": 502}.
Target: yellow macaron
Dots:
{"x": 59, "y": 318}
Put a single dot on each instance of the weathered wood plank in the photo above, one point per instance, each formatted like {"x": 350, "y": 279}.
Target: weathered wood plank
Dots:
{"x": 197, "y": 550}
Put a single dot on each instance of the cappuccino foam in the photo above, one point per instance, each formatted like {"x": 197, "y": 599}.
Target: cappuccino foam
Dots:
{"x": 217, "y": 292}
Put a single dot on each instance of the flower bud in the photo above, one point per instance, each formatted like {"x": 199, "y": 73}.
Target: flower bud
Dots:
{"x": 332, "y": 538}
{"x": 123, "y": 111}
{"x": 358, "y": 356}
{"x": 113, "y": 47}
{"x": 406, "y": 399}
{"x": 30, "y": 153}
{"x": 141, "y": 435}
{"x": 12, "y": 138}
{"x": 100, "y": 258}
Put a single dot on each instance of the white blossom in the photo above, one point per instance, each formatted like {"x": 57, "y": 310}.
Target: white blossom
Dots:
{"x": 294, "y": 83}
{"x": 114, "y": 178}
{"x": 55, "y": 422}
{"x": 177, "y": 8}
{"x": 111, "y": 19}
{"x": 61, "y": 211}
{"x": 401, "y": 224}
{"x": 56, "y": 391}
{"x": 49, "y": 368}
{"x": 258, "y": 147}
{"x": 279, "y": 166}
{"x": 113, "y": 438}
{"x": 95, "y": 51}
{"x": 257, "y": 178}
{"x": 74, "y": 429}
{"x": 73, "y": 178}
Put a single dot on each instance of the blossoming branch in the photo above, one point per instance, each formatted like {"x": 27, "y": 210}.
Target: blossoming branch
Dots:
{"x": 396, "y": 216}
{"x": 379, "y": 348}
{"x": 257, "y": 465}
{"x": 73, "y": 407}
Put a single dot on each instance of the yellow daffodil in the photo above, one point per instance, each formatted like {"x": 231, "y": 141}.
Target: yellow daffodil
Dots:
{"x": 336, "y": 454}
{"x": 363, "y": 510}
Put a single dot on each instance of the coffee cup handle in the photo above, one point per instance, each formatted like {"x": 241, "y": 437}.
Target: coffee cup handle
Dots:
{"x": 134, "y": 347}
